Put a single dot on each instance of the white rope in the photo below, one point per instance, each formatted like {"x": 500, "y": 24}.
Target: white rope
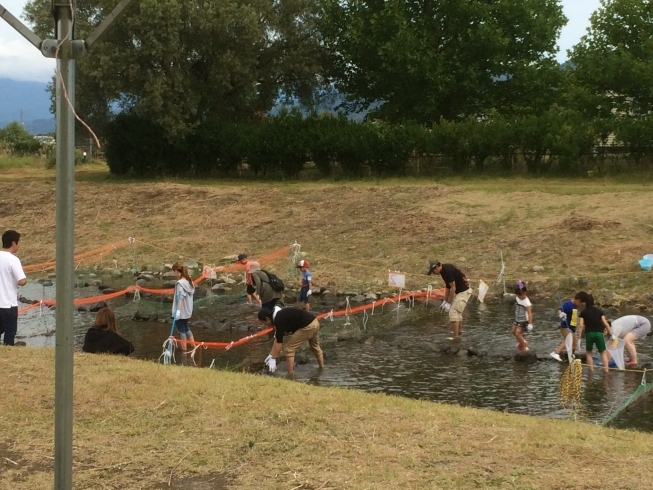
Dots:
{"x": 329, "y": 316}
{"x": 502, "y": 274}
{"x": 137, "y": 294}
{"x": 212, "y": 364}
{"x": 347, "y": 311}
{"x": 428, "y": 294}
{"x": 365, "y": 319}
{"x": 385, "y": 301}
{"x": 168, "y": 354}
{"x": 192, "y": 353}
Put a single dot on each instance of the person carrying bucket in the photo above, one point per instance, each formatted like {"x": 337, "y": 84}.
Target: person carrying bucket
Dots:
{"x": 630, "y": 328}
{"x": 457, "y": 295}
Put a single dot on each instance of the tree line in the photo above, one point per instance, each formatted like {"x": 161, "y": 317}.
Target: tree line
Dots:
{"x": 475, "y": 82}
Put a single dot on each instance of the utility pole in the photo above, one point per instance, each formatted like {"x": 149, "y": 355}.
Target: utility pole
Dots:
{"x": 66, "y": 49}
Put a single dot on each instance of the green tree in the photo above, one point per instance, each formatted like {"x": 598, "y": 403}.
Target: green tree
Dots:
{"x": 19, "y": 140}
{"x": 179, "y": 63}
{"x": 613, "y": 63}
{"x": 431, "y": 59}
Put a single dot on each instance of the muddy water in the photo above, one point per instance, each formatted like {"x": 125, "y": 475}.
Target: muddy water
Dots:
{"x": 394, "y": 353}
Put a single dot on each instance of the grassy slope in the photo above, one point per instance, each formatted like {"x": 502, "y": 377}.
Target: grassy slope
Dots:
{"x": 355, "y": 231}
{"x": 135, "y": 421}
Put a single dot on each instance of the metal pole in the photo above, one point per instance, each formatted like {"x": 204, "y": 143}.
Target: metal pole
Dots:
{"x": 63, "y": 397}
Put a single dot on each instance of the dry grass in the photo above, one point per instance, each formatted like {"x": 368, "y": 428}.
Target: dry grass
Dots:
{"x": 354, "y": 232}
{"x": 136, "y": 422}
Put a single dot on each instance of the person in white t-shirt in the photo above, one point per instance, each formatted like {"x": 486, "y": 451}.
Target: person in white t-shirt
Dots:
{"x": 523, "y": 316}
{"x": 630, "y": 328}
{"x": 11, "y": 276}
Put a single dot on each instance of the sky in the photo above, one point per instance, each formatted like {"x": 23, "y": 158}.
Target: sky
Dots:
{"x": 20, "y": 60}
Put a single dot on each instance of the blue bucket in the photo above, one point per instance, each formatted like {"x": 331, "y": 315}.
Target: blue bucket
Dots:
{"x": 646, "y": 264}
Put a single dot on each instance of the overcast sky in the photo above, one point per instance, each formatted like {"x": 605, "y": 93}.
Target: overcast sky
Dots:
{"x": 21, "y": 61}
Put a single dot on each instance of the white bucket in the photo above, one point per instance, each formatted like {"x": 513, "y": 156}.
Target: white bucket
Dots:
{"x": 483, "y": 288}
{"x": 616, "y": 350}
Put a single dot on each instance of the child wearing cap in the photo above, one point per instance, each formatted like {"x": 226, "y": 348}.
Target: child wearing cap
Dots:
{"x": 305, "y": 285}
{"x": 251, "y": 289}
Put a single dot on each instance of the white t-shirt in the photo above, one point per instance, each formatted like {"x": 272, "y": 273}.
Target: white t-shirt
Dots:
{"x": 626, "y": 324}
{"x": 10, "y": 273}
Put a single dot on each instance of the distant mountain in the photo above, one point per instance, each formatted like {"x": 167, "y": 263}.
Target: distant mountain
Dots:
{"x": 30, "y": 97}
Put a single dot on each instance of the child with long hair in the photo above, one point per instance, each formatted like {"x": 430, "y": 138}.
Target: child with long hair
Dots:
{"x": 523, "y": 316}
{"x": 182, "y": 305}
{"x": 103, "y": 337}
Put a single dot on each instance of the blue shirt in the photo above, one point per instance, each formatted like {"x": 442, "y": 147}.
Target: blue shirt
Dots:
{"x": 569, "y": 308}
{"x": 306, "y": 278}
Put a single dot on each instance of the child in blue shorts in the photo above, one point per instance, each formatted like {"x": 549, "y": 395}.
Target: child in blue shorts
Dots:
{"x": 305, "y": 285}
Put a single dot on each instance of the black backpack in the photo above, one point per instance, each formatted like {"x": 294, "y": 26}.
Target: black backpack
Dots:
{"x": 274, "y": 281}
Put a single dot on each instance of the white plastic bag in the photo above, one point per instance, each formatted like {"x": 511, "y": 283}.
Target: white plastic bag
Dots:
{"x": 616, "y": 350}
{"x": 483, "y": 288}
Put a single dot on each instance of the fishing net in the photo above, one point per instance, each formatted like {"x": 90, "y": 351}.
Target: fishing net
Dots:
{"x": 570, "y": 387}
{"x": 643, "y": 388}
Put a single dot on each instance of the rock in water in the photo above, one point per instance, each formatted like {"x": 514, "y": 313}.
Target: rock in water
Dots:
{"x": 528, "y": 357}
{"x": 95, "y": 307}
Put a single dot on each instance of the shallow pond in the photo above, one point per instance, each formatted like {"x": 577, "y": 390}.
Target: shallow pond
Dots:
{"x": 394, "y": 355}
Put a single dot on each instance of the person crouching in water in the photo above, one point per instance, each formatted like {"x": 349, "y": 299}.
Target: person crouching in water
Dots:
{"x": 182, "y": 305}
{"x": 630, "y": 328}
{"x": 103, "y": 336}
{"x": 523, "y": 316}
{"x": 303, "y": 326}
{"x": 593, "y": 323}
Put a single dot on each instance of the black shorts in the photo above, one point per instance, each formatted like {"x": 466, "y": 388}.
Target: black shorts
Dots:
{"x": 250, "y": 289}
{"x": 522, "y": 325}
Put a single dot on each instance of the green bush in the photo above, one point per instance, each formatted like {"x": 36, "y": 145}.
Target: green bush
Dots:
{"x": 19, "y": 140}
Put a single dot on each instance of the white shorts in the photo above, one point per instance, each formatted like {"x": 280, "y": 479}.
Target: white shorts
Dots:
{"x": 458, "y": 306}
{"x": 641, "y": 330}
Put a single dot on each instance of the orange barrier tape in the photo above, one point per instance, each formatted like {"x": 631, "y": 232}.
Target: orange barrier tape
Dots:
{"x": 97, "y": 251}
{"x": 437, "y": 294}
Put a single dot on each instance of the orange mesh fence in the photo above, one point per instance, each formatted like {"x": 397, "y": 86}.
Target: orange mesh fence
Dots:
{"x": 104, "y": 297}
{"x": 44, "y": 266}
{"x": 438, "y": 294}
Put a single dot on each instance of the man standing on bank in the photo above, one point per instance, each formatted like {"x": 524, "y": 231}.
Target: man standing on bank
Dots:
{"x": 303, "y": 326}
{"x": 457, "y": 295}
{"x": 11, "y": 276}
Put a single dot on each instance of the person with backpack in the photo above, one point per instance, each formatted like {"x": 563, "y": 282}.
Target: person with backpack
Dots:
{"x": 268, "y": 286}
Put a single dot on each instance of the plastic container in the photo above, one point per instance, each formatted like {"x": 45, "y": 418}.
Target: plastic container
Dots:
{"x": 648, "y": 256}
{"x": 482, "y": 290}
{"x": 646, "y": 264}
{"x": 616, "y": 350}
